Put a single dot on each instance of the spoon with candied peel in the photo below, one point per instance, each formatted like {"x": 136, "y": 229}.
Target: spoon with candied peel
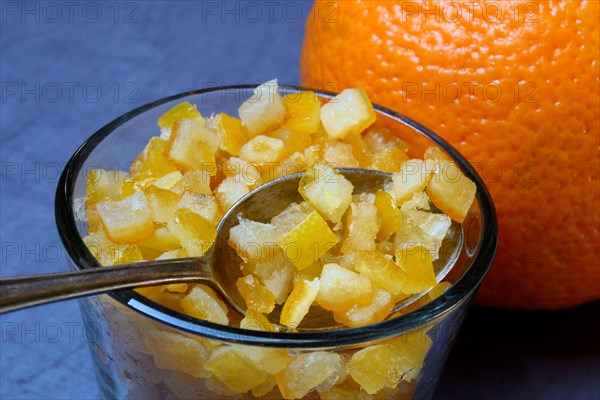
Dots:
{"x": 219, "y": 268}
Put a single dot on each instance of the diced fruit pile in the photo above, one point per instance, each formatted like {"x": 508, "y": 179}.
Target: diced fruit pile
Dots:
{"x": 352, "y": 254}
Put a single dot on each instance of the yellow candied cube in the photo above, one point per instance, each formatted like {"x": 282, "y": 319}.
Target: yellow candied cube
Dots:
{"x": 296, "y": 162}
{"x": 175, "y": 352}
{"x": 204, "y": 205}
{"x": 192, "y": 146}
{"x": 276, "y": 274}
{"x": 307, "y": 241}
{"x": 434, "y": 153}
{"x": 265, "y": 388}
{"x": 196, "y": 181}
{"x": 359, "y": 149}
{"x": 232, "y": 134}
{"x": 417, "y": 269}
{"x": 293, "y": 140}
{"x": 413, "y": 177}
{"x": 177, "y": 253}
{"x": 103, "y": 185}
{"x": 168, "y": 181}
{"x": 350, "y": 112}
{"x": 269, "y": 360}
{"x": 162, "y": 240}
{"x": 420, "y": 226}
{"x": 306, "y": 372}
{"x": 256, "y": 321}
{"x": 163, "y": 203}
{"x": 304, "y": 110}
{"x": 451, "y": 191}
{"x": 256, "y": 296}
{"x": 203, "y": 303}
{"x": 340, "y": 288}
{"x": 376, "y": 310}
{"x": 375, "y": 368}
{"x": 389, "y": 160}
{"x": 438, "y": 290}
{"x": 263, "y": 149}
{"x": 110, "y": 253}
{"x": 265, "y": 110}
{"x": 242, "y": 171}
{"x": 298, "y": 302}
{"x": 128, "y": 220}
{"x": 344, "y": 392}
{"x": 379, "y": 140}
{"x": 309, "y": 273}
{"x": 295, "y": 213}
{"x": 390, "y": 215}
{"x": 340, "y": 154}
{"x": 183, "y": 110}
{"x": 381, "y": 270}
{"x": 229, "y": 191}
{"x": 411, "y": 350}
{"x": 234, "y": 370}
{"x": 148, "y": 166}
{"x": 195, "y": 233}
{"x": 362, "y": 226}
{"x": 328, "y": 191}
{"x": 254, "y": 241}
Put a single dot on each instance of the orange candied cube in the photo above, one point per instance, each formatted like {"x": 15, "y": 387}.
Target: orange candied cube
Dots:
{"x": 254, "y": 241}
{"x": 350, "y": 112}
{"x": 298, "y": 302}
{"x": 203, "y": 303}
{"x": 197, "y": 181}
{"x": 390, "y": 215}
{"x": 128, "y": 220}
{"x": 183, "y": 110}
{"x": 262, "y": 149}
{"x": 304, "y": 110}
{"x": 195, "y": 233}
{"x": 379, "y": 140}
{"x": 339, "y": 154}
{"x": 232, "y": 133}
{"x": 328, "y": 191}
{"x": 306, "y": 372}
{"x": 168, "y": 181}
{"x": 389, "y": 160}
{"x": 276, "y": 274}
{"x": 291, "y": 165}
{"x": 234, "y": 369}
{"x": 362, "y": 225}
{"x": 359, "y": 149}
{"x": 376, "y": 310}
{"x": 256, "y": 296}
{"x": 230, "y": 190}
{"x": 308, "y": 241}
{"x": 204, "y": 205}
{"x": 269, "y": 360}
{"x": 103, "y": 185}
{"x": 148, "y": 166}
{"x": 293, "y": 140}
{"x": 417, "y": 269}
{"x": 162, "y": 240}
{"x": 175, "y": 352}
{"x": 438, "y": 290}
{"x": 451, "y": 191}
{"x": 242, "y": 171}
{"x": 295, "y": 213}
{"x": 265, "y": 110}
{"x": 256, "y": 321}
{"x": 341, "y": 288}
{"x": 413, "y": 177}
{"x": 192, "y": 146}
{"x": 434, "y": 153}
{"x": 163, "y": 203}
{"x": 380, "y": 269}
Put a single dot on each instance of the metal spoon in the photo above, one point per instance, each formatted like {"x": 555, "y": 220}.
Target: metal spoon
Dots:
{"x": 219, "y": 267}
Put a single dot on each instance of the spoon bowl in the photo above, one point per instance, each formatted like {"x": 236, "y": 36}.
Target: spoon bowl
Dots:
{"x": 219, "y": 267}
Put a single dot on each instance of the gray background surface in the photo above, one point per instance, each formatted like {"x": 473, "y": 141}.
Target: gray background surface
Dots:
{"x": 68, "y": 68}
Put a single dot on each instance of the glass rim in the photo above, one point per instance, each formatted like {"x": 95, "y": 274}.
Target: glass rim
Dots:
{"x": 454, "y": 296}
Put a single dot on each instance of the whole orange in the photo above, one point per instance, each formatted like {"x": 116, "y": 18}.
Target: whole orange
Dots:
{"x": 515, "y": 86}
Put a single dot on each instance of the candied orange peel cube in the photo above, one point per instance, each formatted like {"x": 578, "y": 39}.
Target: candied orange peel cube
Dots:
{"x": 340, "y": 288}
{"x": 256, "y": 296}
{"x": 265, "y": 110}
{"x": 350, "y": 112}
{"x": 195, "y": 233}
{"x": 183, "y": 110}
{"x": 232, "y": 133}
{"x": 417, "y": 269}
{"x": 304, "y": 109}
{"x": 203, "y": 303}
{"x": 192, "y": 146}
{"x": 451, "y": 191}
{"x": 128, "y": 220}
{"x": 298, "y": 302}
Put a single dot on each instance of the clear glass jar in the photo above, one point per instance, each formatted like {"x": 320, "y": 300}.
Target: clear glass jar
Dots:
{"x": 143, "y": 350}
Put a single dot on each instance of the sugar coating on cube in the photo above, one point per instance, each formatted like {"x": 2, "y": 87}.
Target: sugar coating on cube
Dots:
{"x": 350, "y": 112}
{"x": 340, "y": 154}
{"x": 265, "y": 110}
{"x": 262, "y": 149}
{"x": 163, "y": 203}
{"x": 451, "y": 191}
{"x": 413, "y": 177}
{"x": 304, "y": 109}
{"x": 277, "y": 275}
{"x": 376, "y": 310}
{"x": 417, "y": 269}
{"x": 326, "y": 190}
{"x": 362, "y": 226}
{"x": 256, "y": 321}
{"x": 183, "y": 110}
{"x": 229, "y": 191}
{"x": 192, "y": 146}
{"x": 234, "y": 370}
{"x": 204, "y": 205}
{"x": 256, "y": 296}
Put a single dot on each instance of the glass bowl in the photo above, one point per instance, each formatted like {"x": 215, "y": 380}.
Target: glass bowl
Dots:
{"x": 143, "y": 350}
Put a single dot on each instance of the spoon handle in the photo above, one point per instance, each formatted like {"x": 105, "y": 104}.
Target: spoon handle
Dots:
{"x": 26, "y": 291}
